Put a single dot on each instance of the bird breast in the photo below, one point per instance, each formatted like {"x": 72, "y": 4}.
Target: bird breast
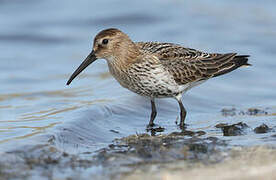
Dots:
{"x": 146, "y": 78}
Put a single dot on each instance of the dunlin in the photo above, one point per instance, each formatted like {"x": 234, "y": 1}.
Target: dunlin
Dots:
{"x": 158, "y": 70}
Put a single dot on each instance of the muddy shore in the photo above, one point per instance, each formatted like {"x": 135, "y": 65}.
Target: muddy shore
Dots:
{"x": 189, "y": 154}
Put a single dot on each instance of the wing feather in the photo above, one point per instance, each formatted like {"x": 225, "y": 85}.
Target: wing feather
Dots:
{"x": 189, "y": 65}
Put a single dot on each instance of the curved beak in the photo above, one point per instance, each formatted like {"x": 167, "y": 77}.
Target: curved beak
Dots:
{"x": 88, "y": 60}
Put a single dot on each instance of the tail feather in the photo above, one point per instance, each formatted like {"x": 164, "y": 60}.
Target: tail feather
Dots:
{"x": 236, "y": 62}
{"x": 242, "y": 60}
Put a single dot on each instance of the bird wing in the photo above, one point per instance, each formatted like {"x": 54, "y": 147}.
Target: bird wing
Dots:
{"x": 190, "y": 65}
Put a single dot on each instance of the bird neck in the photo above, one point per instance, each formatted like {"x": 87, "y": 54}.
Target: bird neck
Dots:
{"x": 125, "y": 55}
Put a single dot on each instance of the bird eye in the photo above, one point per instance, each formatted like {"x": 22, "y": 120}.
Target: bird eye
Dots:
{"x": 105, "y": 41}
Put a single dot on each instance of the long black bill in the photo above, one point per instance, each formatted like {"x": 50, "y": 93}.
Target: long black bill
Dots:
{"x": 88, "y": 60}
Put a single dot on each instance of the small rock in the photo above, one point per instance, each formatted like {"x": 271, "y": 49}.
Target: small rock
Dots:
{"x": 228, "y": 112}
{"x": 234, "y": 129}
{"x": 255, "y": 111}
{"x": 261, "y": 129}
{"x": 221, "y": 125}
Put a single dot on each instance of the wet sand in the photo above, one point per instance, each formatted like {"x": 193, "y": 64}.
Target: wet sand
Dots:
{"x": 252, "y": 163}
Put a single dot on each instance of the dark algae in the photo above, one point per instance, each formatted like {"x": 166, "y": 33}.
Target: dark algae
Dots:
{"x": 233, "y": 129}
{"x": 262, "y": 129}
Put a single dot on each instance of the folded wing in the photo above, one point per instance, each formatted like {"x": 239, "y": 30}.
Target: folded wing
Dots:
{"x": 189, "y": 65}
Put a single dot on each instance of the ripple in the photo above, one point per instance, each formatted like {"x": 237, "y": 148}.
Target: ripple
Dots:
{"x": 72, "y": 92}
{"x": 34, "y": 131}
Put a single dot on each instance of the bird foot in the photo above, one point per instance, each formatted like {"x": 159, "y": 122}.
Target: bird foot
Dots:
{"x": 150, "y": 126}
{"x": 183, "y": 126}
{"x": 154, "y": 130}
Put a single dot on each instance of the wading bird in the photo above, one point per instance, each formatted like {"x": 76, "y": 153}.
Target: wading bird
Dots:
{"x": 158, "y": 70}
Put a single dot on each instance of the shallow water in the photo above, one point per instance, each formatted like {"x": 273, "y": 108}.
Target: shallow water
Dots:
{"x": 42, "y": 42}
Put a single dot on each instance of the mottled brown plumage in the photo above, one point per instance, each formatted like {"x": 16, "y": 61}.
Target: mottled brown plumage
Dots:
{"x": 157, "y": 70}
{"x": 189, "y": 65}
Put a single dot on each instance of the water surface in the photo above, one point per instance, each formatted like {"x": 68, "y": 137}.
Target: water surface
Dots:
{"x": 42, "y": 42}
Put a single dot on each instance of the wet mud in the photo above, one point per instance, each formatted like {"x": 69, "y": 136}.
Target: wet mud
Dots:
{"x": 128, "y": 153}
{"x": 155, "y": 155}
{"x": 262, "y": 129}
{"x": 241, "y": 163}
{"x": 240, "y": 129}
{"x": 233, "y": 129}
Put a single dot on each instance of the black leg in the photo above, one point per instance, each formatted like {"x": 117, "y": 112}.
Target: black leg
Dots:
{"x": 153, "y": 113}
{"x": 182, "y": 114}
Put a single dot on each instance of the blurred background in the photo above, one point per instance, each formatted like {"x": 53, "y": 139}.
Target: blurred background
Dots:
{"x": 42, "y": 43}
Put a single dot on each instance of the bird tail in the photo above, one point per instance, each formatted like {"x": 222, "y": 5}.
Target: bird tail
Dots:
{"x": 236, "y": 62}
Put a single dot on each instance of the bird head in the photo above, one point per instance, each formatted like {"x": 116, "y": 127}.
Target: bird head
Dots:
{"x": 112, "y": 45}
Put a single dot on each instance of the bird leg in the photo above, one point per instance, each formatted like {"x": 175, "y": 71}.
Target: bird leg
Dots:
{"x": 153, "y": 113}
{"x": 183, "y": 112}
